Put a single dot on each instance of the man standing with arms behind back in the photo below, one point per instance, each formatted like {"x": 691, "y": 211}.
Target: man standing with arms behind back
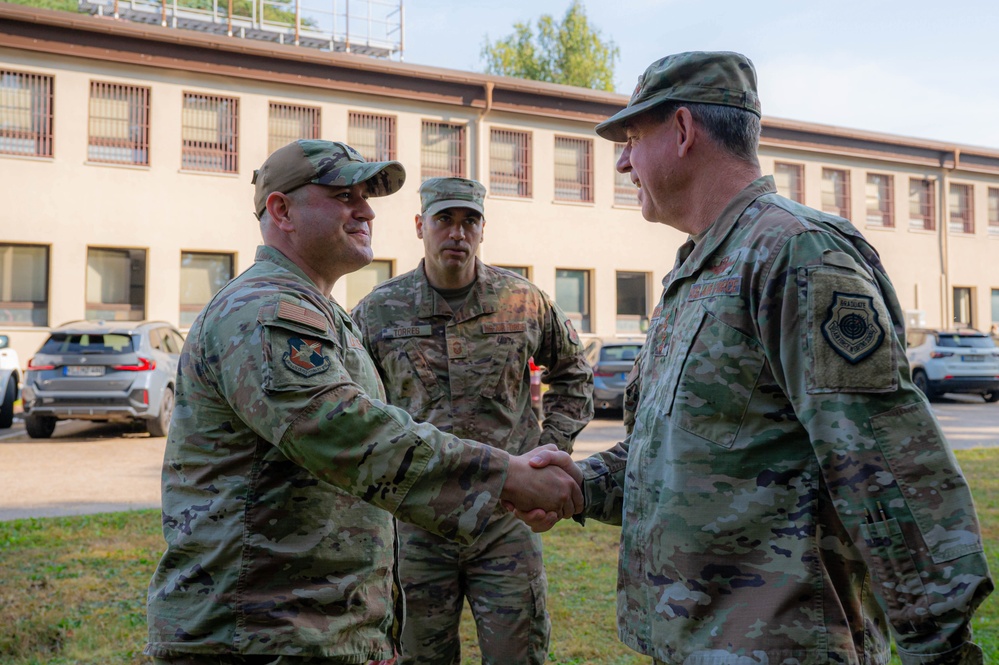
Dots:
{"x": 284, "y": 466}
{"x": 452, "y": 341}
{"x": 785, "y": 495}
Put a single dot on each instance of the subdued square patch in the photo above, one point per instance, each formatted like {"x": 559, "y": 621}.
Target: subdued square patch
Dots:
{"x": 848, "y": 333}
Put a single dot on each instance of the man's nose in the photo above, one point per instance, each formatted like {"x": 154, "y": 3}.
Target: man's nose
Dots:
{"x": 624, "y": 161}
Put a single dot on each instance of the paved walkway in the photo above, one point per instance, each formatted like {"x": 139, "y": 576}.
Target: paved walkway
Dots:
{"x": 90, "y": 468}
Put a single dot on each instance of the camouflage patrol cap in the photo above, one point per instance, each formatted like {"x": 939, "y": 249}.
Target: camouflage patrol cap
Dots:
{"x": 437, "y": 194}
{"x": 698, "y": 77}
{"x": 317, "y": 162}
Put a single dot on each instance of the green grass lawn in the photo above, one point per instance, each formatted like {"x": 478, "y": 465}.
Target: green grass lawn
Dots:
{"x": 72, "y": 590}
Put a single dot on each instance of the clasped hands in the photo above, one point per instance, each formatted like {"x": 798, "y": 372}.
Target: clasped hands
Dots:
{"x": 542, "y": 487}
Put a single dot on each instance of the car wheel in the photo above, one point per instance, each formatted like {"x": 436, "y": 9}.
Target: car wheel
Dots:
{"x": 7, "y": 406}
{"x": 992, "y": 396}
{"x": 923, "y": 383}
{"x": 159, "y": 425}
{"x": 39, "y": 427}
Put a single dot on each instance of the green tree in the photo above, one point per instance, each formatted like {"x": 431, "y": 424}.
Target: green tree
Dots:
{"x": 569, "y": 52}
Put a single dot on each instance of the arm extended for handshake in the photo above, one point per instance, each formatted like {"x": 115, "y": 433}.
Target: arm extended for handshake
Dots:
{"x": 542, "y": 487}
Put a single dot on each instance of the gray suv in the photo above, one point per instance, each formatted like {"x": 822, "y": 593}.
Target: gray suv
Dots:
{"x": 114, "y": 371}
{"x": 953, "y": 361}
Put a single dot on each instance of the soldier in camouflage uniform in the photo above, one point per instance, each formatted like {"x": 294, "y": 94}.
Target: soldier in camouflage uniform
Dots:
{"x": 785, "y": 494}
{"x": 451, "y": 341}
{"x": 284, "y": 466}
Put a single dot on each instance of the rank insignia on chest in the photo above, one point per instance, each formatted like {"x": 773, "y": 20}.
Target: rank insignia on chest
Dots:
{"x": 456, "y": 349}
{"x": 305, "y": 356}
{"x": 852, "y": 327}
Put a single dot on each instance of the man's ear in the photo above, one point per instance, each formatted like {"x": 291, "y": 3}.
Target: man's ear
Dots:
{"x": 279, "y": 208}
{"x": 686, "y": 131}
{"x": 419, "y": 227}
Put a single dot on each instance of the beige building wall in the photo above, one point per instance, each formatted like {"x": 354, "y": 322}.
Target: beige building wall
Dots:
{"x": 70, "y": 204}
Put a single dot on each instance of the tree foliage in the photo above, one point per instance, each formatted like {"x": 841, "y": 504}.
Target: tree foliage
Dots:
{"x": 569, "y": 52}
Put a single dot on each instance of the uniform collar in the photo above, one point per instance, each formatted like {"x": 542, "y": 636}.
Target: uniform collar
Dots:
{"x": 691, "y": 257}
{"x": 273, "y": 255}
{"x": 481, "y": 300}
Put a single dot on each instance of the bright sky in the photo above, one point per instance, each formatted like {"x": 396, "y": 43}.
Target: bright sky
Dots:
{"x": 918, "y": 68}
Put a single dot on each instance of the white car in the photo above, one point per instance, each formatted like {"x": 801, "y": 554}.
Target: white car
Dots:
{"x": 953, "y": 361}
{"x": 10, "y": 376}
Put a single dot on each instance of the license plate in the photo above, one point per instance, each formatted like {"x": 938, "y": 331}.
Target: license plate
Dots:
{"x": 84, "y": 370}
{"x": 622, "y": 376}
{"x": 973, "y": 359}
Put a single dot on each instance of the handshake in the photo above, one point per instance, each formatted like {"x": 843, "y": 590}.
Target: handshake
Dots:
{"x": 543, "y": 486}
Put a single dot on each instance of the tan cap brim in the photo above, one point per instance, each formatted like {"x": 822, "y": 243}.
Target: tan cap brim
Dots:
{"x": 437, "y": 206}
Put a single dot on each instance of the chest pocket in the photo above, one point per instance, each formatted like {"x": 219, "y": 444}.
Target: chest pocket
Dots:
{"x": 423, "y": 371}
{"x": 506, "y": 375}
{"x": 713, "y": 369}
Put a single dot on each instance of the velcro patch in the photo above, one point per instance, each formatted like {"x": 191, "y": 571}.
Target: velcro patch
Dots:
{"x": 504, "y": 327}
{"x": 852, "y": 327}
{"x": 456, "y": 349}
{"x": 291, "y": 312}
{"x": 305, "y": 356}
{"x": 571, "y": 332}
{"x": 407, "y": 331}
{"x": 729, "y": 286}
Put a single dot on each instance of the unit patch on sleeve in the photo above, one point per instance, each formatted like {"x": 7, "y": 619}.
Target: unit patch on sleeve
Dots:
{"x": 571, "y": 332}
{"x": 852, "y": 327}
{"x": 305, "y": 356}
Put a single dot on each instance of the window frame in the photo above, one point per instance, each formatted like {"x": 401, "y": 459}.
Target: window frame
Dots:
{"x": 883, "y": 216}
{"x": 40, "y": 114}
{"x": 583, "y": 321}
{"x": 135, "y": 311}
{"x": 457, "y": 154}
{"x": 308, "y": 118}
{"x": 841, "y": 196}
{"x": 643, "y": 316}
{"x": 993, "y": 210}
{"x": 964, "y": 215}
{"x": 225, "y": 149}
{"x": 138, "y": 101}
{"x": 924, "y": 190}
{"x": 583, "y": 180}
{"x": 8, "y": 307}
{"x": 385, "y": 130}
{"x": 521, "y": 177}
{"x": 195, "y": 308}
{"x": 798, "y": 195}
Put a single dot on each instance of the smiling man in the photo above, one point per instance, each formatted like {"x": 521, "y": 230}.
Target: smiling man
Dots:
{"x": 452, "y": 341}
{"x": 785, "y": 495}
{"x": 284, "y": 466}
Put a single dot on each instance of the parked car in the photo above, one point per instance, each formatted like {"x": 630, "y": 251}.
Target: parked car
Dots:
{"x": 106, "y": 371}
{"x": 612, "y": 360}
{"x": 953, "y": 361}
{"x": 10, "y": 378}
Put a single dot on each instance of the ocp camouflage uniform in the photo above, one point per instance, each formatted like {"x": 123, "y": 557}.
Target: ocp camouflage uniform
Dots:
{"x": 467, "y": 373}
{"x": 786, "y": 494}
{"x": 281, "y": 463}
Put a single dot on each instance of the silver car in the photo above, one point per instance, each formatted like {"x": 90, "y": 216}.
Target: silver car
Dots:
{"x": 612, "y": 360}
{"x": 115, "y": 371}
{"x": 953, "y": 361}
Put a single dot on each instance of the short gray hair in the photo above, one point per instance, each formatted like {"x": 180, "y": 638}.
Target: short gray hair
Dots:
{"x": 735, "y": 129}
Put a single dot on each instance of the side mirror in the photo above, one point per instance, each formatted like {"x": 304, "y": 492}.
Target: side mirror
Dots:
{"x": 4, "y": 341}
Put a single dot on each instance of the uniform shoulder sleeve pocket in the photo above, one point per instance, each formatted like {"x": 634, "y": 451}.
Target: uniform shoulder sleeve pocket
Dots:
{"x": 849, "y": 337}
{"x": 299, "y": 347}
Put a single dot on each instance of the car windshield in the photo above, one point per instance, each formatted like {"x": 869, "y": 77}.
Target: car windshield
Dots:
{"x": 620, "y": 353}
{"x": 87, "y": 343}
{"x": 966, "y": 341}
